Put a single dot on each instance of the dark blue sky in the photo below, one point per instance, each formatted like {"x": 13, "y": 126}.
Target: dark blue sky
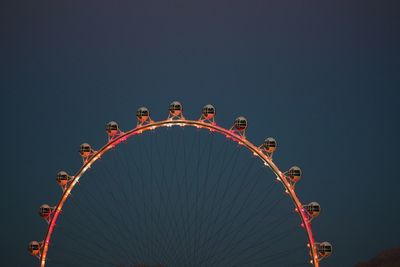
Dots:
{"x": 321, "y": 77}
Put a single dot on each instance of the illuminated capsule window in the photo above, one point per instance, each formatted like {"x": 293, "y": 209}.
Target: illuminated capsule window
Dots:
{"x": 44, "y": 211}
{"x": 62, "y": 178}
{"x": 324, "y": 249}
{"x": 85, "y": 149}
{"x": 270, "y": 145}
{"x": 175, "y": 108}
{"x": 294, "y": 173}
{"x": 208, "y": 112}
{"x": 112, "y": 128}
{"x": 34, "y": 248}
{"x": 142, "y": 114}
{"x": 241, "y": 123}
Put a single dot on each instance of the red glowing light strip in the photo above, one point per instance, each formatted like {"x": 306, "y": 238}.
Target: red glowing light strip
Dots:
{"x": 183, "y": 122}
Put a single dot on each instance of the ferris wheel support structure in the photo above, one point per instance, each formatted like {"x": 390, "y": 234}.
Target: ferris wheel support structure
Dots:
{"x": 318, "y": 251}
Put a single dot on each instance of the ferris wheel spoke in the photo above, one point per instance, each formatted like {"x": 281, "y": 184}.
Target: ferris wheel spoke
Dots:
{"x": 161, "y": 232}
{"x": 145, "y": 206}
{"x": 82, "y": 226}
{"x": 195, "y": 189}
{"x": 179, "y": 236}
{"x": 93, "y": 254}
{"x": 184, "y": 197}
{"x": 121, "y": 220}
{"x": 187, "y": 208}
{"x": 249, "y": 235}
{"x": 114, "y": 228}
{"x": 213, "y": 235}
{"x": 166, "y": 239}
{"x": 229, "y": 232}
{"x": 196, "y": 234}
{"x": 298, "y": 264}
{"x": 107, "y": 212}
{"x": 214, "y": 190}
{"x": 150, "y": 223}
{"x": 126, "y": 218}
{"x": 155, "y": 243}
{"x": 88, "y": 250}
{"x": 272, "y": 258}
{"x": 228, "y": 228}
{"x": 225, "y": 213}
{"x": 204, "y": 196}
{"x": 181, "y": 184}
{"x": 71, "y": 234}
{"x": 131, "y": 201}
{"x": 165, "y": 199}
{"x": 239, "y": 229}
{"x": 259, "y": 247}
{"x": 165, "y": 203}
{"x": 152, "y": 242}
{"x": 152, "y": 200}
{"x": 79, "y": 258}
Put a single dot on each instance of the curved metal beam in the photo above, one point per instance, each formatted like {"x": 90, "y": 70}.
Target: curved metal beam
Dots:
{"x": 198, "y": 124}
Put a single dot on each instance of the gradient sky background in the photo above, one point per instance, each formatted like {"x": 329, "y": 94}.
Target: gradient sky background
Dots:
{"x": 320, "y": 76}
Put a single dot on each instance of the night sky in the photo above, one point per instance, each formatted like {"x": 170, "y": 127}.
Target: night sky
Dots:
{"x": 322, "y": 77}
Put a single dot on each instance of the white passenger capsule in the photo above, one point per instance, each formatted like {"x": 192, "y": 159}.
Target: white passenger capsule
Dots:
{"x": 85, "y": 150}
{"x": 34, "y": 248}
{"x": 241, "y": 123}
{"x": 112, "y": 128}
{"x": 208, "y": 112}
{"x": 294, "y": 174}
{"x": 313, "y": 209}
{"x": 45, "y": 211}
{"x": 142, "y": 114}
{"x": 324, "y": 249}
{"x": 175, "y": 108}
{"x": 63, "y": 178}
{"x": 270, "y": 145}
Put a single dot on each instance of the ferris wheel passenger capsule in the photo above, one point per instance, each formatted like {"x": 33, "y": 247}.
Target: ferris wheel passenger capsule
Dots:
{"x": 294, "y": 174}
{"x": 208, "y": 112}
{"x": 270, "y": 145}
{"x": 175, "y": 109}
{"x": 142, "y": 114}
{"x": 241, "y": 124}
{"x": 45, "y": 211}
{"x": 324, "y": 249}
{"x": 313, "y": 209}
{"x": 112, "y": 128}
{"x": 85, "y": 150}
{"x": 63, "y": 178}
{"x": 34, "y": 248}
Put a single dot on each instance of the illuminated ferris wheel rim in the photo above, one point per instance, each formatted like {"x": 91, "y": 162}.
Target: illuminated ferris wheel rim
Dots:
{"x": 178, "y": 120}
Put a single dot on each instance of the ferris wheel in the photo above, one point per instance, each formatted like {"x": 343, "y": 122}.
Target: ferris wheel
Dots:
{"x": 203, "y": 247}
